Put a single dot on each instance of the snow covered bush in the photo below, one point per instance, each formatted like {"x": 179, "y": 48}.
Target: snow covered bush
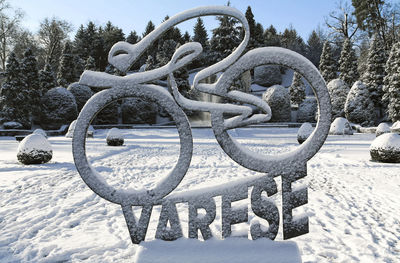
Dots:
{"x": 359, "y": 107}
{"x": 307, "y": 110}
{"x": 135, "y": 110}
{"x": 395, "y": 127}
{"x": 304, "y": 132}
{"x": 297, "y": 90}
{"x": 267, "y": 75}
{"x": 278, "y": 99}
{"x": 12, "y": 125}
{"x": 58, "y": 108}
{"x": 340, "y": 126}
{"x": 71, "y": 129}
{"x": 338, "y": 91}
{"x": 114, "y": 137}
{"x": 82, "y": 93}
{"x": 40, "y": 132}
{"x": 34, "y": 149}
{"x": 386, "y": 148}
{"x": 382, "y": 128}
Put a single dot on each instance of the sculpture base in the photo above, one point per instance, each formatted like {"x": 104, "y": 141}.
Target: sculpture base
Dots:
{"x": 233, "y": 250}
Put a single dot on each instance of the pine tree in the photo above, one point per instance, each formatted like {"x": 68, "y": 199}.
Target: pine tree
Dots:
{"x": 291, "y": 40}
{"x": 165, "y": 53}
{"x": 90, "y": 64}
{"x": 200, "y": 33}
{"x": 252, "y": 26}
{"x": 271, "y": 37}
{"x": 338, "y": 91}
{"x": 225, "y": 37}
{"x": 348, "y": 64}
{"x": 14, "y": 94}
{"x": 47, "y": 80}
{"x": 66, "y": 74}
{"x": 327, "y": 64}
{"x": 297, "y": 90}
{"x": 258, "y": 35}
{"x": 186, "y": 37}
{"x": 314, "y": 48}
{"x": 132, "y": 38}
{"x": 359, "y": 107}
{"x": 79, "y": 66}
{"x": 391, "y": 88}
{"x": 375, "y": 72}
{"x": 29, "y": 69}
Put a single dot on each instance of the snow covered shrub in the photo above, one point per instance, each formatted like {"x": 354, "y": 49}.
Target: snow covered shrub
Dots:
{"x": 304, "y": 132}
{"x": 34, "y": 149}
{"x": 382, "y": 128}
{"x": 386, "y": 148}
{"x": 395, "y": 127}
{"x": 114, "y": 137}
{"x": 40, "y": 132}
{"x": 58, "y": 108}
{"x": 359, "y": 107}
{"x": 297, "y": 90}
{"x": 278, "y": 99}
{"x": 71, "y": 129}
{"x": 340, "y": 126}
{"x": 338, "y": 91}
{"x": 12, "y": 125}
{"x": 307, "y": 110}
{"x": 82, "y": 93}
{"x": 267, "y": 75}
{"x": 135, "y": 110}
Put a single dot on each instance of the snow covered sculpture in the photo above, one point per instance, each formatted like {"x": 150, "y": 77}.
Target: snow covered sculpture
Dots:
{"x": 71, "y": 129}
{"x": 340, "y": 126}
{"x": 304, "y": 132}
{"x": 382, "y": 128}
{"x": 291, "y": 166}
{"x": 34, "y": 149}
{"x": 386, "y": 148}
{"x": 114, "y": 137}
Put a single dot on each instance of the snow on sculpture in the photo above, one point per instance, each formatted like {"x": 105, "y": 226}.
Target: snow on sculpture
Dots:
{"x": 290, "y": 166}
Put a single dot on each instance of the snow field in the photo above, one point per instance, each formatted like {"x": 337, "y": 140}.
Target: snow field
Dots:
{"x": 48, "y": 214}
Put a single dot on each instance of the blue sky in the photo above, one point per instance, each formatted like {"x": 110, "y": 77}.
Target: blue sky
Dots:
{"x": 303, "y": 15}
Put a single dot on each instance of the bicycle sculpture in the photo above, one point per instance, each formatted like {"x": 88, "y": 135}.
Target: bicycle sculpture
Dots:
{"x": 290, "y": 166}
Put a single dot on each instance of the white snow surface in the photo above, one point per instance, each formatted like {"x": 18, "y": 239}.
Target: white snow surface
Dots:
{"x": 34, "y": 142}
{"x": 48, "y": 214}
{"x": 387, "y": 141}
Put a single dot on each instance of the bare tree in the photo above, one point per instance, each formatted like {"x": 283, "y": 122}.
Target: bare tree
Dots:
{"x": 342, "y": 22}
{"x": 52, "y": 34}
{"x": 9, "y": 23}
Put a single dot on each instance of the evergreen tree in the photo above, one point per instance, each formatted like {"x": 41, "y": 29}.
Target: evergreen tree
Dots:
{"x": 348, "y": 64}
{"x": 391, "y": 88}
{"x": 90, "y": 64}
{"x": 66, "y": 74}
{"x": 252, "y": 26}
{"x": 327, "y": 64}
{"x": 297, "y": 90}
{"x": 338, "y": 91}
{"x": 29, "y": 69}
{"x": 258, "y": 35}
{"x": 152, "y": 49}
{"x": 132, "y": 38}
{"x": 225, "y": 37}
{"x": 14, "y": 94}
{"x": 375, "y": 72}
{"x": 79, "y": 66}
{"x": 271, "y": 37}
{"x": 186, "y": 37}
{"x": 165, "y": 53}
{"x": 200, "y": 33}
{"x": 47, "y": 80}
{"x": 149, "y": 63}
{"x": 359, "y": 107}
{"x": 314, "y": 48}
{"x": 291, "y": 40}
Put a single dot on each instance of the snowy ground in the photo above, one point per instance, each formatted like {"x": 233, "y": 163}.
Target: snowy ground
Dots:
{"x": 47, "y": 213}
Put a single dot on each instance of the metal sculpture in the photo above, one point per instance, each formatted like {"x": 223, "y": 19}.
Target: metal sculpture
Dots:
{"x": 290, "y": 166}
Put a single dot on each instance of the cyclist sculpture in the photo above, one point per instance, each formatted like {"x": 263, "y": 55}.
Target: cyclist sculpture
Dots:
{"x": 291, "y": 166}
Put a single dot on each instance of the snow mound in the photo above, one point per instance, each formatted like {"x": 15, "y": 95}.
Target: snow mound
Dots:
{"x": 382, "y": 128}
{"x": 34, "y": 149}
{"x": 304, "y": 132}
{"x": 395, "y": 127}
{"x": 386, "y": 148}
{"x": 233, "y": 250}
{"x": 40, "y": 132}
{"x": 114, "y": 137}
{"x": 12, "y": 125}
{"x": 340, "y": 126}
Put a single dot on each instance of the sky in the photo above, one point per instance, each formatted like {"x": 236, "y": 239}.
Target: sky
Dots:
{"x": 303, "y": 15}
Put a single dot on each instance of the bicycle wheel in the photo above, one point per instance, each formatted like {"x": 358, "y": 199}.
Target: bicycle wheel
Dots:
{"x": 274, "y": 163}
{"x": 90, "y": 175}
